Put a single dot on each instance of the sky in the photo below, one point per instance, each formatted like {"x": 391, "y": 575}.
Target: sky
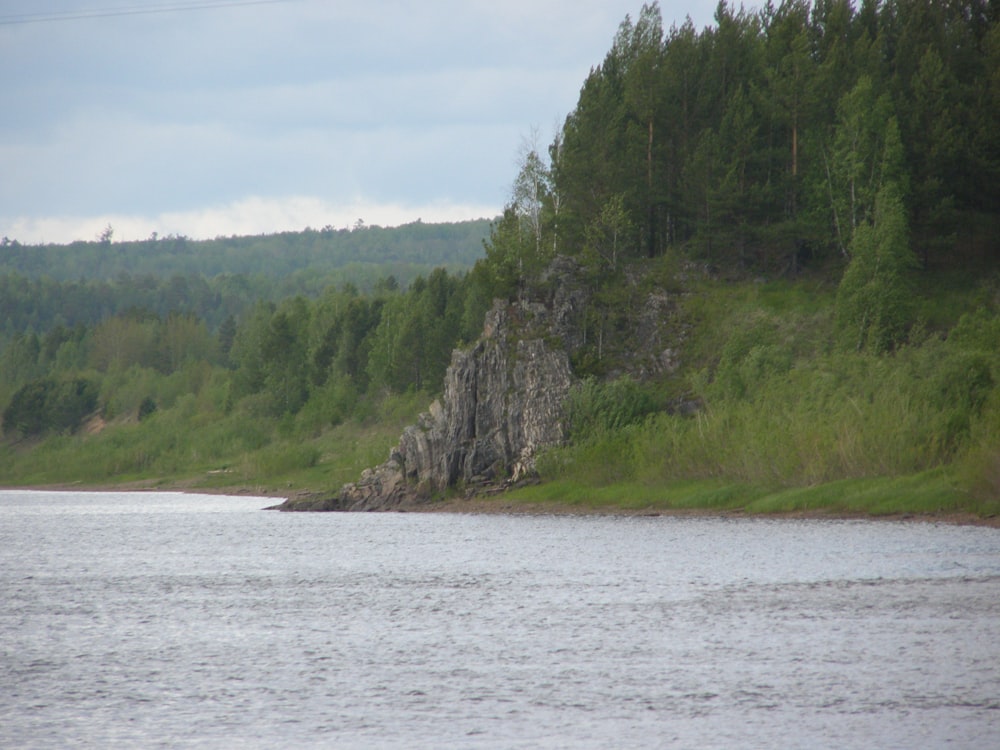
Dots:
{"x": 209, "y": 118}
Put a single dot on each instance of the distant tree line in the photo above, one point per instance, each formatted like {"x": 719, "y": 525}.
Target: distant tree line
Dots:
{"x": 317, "y": 253}
{"x": 45, "y": 286}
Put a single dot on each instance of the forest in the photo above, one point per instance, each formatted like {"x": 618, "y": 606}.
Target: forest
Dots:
{"x": 817, "y": 183}
{"x": 42, "y": 286}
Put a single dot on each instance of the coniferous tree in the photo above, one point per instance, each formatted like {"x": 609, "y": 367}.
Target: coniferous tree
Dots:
{"x": 642, "y": 44}
{"x": 683, "y": 69}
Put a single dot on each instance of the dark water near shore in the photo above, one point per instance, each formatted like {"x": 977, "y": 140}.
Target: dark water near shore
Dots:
{"x": 165, "y": 620}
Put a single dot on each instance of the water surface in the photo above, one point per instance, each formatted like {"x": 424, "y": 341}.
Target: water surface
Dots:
{"x": 167, "y": 620}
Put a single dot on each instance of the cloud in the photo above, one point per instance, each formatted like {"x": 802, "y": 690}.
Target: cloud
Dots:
{"x": 248, "y": 216}
{"x": 175, "y": 115}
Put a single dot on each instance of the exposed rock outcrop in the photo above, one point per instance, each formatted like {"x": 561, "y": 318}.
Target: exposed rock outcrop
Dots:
{"x": 502, "y": 403}
{"x": 503, "y": 397}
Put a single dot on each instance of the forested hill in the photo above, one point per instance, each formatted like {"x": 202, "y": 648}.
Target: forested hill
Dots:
{"x": 764, "y": 140}
{"x": 365, "y": 251}
{"x": 82, "y": 283}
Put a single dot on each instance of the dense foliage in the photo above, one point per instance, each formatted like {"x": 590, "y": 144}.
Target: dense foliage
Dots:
{"x": 48, "y": 405}
{"x": 761, "y": 143}
{"x": 44, "y": 286}
{"x": 275, "y": 256}
{"x": 331, "y": 351}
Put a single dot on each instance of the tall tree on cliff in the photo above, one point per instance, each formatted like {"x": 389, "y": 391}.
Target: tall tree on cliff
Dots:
{"x": 682, "y": 70}
{"x": 531, "y": 191}
{"x": 790, "y": 77}
{"x": 642, "y": 47}
{"x": 590, "y": 166}
{"x": 866, "y": 153}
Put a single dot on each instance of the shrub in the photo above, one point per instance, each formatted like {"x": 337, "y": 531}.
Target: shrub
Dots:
{"x": 596, "y": 407}
{"x": 50, "y": 406}
{"x": 875, "y": 301}
{"x": 146, "y": 408}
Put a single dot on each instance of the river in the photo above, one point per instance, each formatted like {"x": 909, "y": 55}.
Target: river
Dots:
{"x": 170, "y": 620}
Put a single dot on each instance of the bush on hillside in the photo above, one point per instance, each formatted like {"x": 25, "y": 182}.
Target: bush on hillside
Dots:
{"x": 49, "y": 405}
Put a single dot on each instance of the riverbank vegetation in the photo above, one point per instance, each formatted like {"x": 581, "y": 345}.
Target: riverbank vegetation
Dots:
{"x": 792, "y": 419}
{"x": 814, "y": 187}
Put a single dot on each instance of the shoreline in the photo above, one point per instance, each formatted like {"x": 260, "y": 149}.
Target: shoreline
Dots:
{"x": 497, "y": 505}
{"x": 500, "y": 507}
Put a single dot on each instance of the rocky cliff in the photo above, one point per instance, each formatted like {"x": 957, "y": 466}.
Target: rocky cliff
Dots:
{"x": 502, "y": 403}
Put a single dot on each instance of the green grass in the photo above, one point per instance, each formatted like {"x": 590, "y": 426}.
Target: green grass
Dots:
{"x": 928, "y": 493}
{"x": 931, "y": 492}
{"x": 679, "y": 495}
{"x": 180, "y": 447}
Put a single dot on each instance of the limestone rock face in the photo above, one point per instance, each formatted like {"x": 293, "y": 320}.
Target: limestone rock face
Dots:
{"x": 502, "y": 402}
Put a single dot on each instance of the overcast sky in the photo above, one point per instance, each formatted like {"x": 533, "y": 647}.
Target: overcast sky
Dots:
{"x": 268, "y": 115}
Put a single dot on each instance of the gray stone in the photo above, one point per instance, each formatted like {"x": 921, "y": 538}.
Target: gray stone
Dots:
{"x": 502, "y": 403}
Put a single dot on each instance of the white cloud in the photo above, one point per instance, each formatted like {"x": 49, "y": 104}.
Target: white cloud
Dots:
{"x": 250, "y": 216}
{"x": 149, "y": 121}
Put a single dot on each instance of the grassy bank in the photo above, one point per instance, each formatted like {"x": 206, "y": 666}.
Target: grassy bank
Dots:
{"x": 188, "y": 448}
{"x": 934, "y": 494}
{"x": 790, "y": 419}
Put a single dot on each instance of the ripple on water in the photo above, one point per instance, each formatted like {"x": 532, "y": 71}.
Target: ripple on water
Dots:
{"x": 173, "y": 621}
